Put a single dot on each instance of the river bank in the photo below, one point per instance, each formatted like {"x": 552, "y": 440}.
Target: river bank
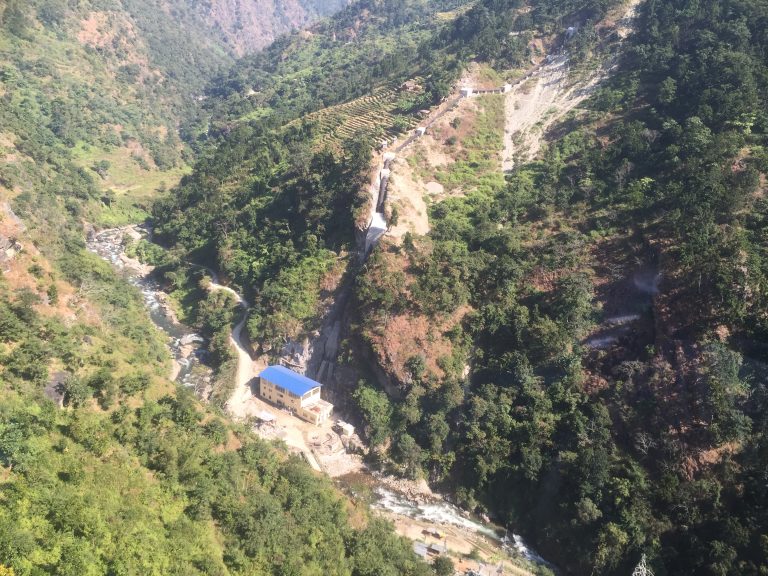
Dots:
{"x": 429, "y": 519}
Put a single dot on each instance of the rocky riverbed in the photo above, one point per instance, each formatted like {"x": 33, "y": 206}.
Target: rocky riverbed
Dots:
{"x": 186, "y": 348}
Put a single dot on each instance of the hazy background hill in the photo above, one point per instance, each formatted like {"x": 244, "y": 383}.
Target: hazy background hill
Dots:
{"x": 248, "y": 25}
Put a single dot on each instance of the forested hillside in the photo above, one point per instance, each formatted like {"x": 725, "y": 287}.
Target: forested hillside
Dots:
{"x": 274, "y": 206}
{"x": 607, "y": 440}
{"x": 106, "y": 467}
{"x": 607, "y": 301}
{"x": 114, "y": 89}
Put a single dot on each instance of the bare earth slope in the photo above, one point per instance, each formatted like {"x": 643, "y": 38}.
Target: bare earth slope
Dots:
{"x": 536, "y": 104}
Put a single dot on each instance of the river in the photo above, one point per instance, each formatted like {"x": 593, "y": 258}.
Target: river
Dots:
{"x": 186, "y": 348}
{"x": 427, "y": 517}
{"x": 442, "y": 513}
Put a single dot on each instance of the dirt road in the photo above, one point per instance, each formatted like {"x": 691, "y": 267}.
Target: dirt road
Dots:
{"x": 243, "y": 403}
{"x": 237, "y": 404}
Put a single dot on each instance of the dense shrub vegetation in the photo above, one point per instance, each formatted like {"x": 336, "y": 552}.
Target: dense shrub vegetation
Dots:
{"x": 655, "y": 445}
{"x": 166, "y": 488}
{"x": 131, "y": 476}
{"x": 275, "y": 202}
{"x": 274, "y": 206}
{"x": 268, "y": 212}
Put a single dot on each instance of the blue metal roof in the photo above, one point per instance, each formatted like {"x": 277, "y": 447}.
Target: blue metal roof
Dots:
{"x": 288, "y": 379}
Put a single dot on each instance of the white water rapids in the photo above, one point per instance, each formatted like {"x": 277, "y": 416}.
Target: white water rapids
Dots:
{"x": 444, "y": 513}
{"x": 185, "y": 346}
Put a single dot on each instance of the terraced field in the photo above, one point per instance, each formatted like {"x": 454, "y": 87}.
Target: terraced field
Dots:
{"x": 372, "y": 116}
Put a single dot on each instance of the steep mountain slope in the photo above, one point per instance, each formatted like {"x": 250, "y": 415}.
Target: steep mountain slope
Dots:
{"x": 249, "y": 25}
{"x": 106, "y": 467}
{"x": 119, "y": 85}
{"x": 102, "y": 90}
{"x": 608, "y": 303}
{"x": 274, "y": 206}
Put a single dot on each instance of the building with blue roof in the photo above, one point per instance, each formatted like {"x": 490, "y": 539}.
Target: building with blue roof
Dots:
{"x": 294, "y": 391}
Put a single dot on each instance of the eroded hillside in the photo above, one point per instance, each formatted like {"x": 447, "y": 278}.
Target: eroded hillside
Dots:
{"x": 468, "y": 144}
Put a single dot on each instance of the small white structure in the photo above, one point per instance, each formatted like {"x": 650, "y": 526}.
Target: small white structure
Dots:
{"x": 389, "y": 156}
{"x": 420, "y": 131}
{"x": 344, "y": 428}
{"x": 266, "y": 416}
{"x": 466, "y": 91}
{"x": 376, "y": 229}
{"x": 384, "y": 173}
{"x": 506, "y": 88}
{"x": 570, "y": 31}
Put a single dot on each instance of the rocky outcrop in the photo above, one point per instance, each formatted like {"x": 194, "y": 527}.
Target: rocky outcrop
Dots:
{"x": 324, "y": 355}
{"x": 296, "y": 354}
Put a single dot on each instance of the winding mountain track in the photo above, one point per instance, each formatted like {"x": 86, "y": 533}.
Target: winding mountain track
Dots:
{"x": 243, "y": 403}
{"x": 245, "y": 364}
